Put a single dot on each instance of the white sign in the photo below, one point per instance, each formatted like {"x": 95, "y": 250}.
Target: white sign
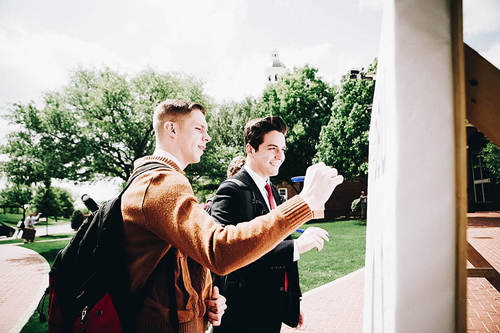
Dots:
{"x": 410, "y": 272}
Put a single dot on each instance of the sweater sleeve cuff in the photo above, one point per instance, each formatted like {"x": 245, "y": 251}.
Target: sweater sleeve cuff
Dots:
{"x": 296, "y": 211}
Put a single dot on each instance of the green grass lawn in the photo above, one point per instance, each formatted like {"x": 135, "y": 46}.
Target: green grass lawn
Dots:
{"x": 37, "y": 239}
{"x": 343, "y": 254}
{"x": 12, "y": 219}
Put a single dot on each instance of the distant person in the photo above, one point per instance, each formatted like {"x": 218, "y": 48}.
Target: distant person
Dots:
{"x": 270, "y": 285}
{"x": 29, "y": 227}
{"x": 31, "y": 220}
{"x": 362, "y": 202}
{"x": 161, "y": 214}
{"x": 235, "y": 165}
{"x": 233, "y": 168}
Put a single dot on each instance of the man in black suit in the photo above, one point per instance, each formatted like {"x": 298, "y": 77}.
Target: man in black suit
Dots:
{"x": 265, "y": 293}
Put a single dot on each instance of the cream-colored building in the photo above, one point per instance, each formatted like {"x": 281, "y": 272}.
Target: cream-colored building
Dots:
{"x": 276, "y": 70}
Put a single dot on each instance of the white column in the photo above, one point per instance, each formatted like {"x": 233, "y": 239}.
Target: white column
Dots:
{"x": 410, "y": 259}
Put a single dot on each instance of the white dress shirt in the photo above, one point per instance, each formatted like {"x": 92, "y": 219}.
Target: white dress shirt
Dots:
{"x": 261, "y": 184}
{"x": 164, "y": 153}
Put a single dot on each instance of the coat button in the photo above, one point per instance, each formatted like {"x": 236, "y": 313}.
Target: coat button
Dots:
{"x": 282, "y": 289}
{"x": 98, "y": 312}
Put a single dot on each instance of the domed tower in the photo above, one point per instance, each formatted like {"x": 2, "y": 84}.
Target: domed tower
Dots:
{"x": 276, "y": 70}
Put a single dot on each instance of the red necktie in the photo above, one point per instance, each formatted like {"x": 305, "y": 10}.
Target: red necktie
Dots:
{"x": 271, "y": 203}
{"x": 270, "y": 196}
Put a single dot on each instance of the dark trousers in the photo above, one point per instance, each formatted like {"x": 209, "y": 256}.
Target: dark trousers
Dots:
{"x": 246, "y": 314}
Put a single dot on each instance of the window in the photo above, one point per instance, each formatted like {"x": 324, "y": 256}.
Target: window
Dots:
{"x": 283, "y": 192}
{"x": 482, "y": 184}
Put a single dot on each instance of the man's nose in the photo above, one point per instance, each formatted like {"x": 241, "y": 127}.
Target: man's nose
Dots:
{"x": 280, "y": 155}
{"x": 207, "y": 138}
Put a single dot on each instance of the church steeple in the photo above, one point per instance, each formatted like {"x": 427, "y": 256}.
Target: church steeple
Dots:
{"x": 277, "y": 68}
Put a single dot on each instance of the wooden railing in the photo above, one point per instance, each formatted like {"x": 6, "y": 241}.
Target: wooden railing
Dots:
{"x": 482, "y": 268}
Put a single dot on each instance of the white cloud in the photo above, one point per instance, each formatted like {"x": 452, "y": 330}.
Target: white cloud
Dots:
{"x": 481, "y": 16}
{"x": 370, "y": 4}
{"x": 331, "y": 62}
{"x": 236, "y": 79}
{"x": 239, "y": 78}
{"x": 39, "y": 61}
{"x": 284, "y": 3}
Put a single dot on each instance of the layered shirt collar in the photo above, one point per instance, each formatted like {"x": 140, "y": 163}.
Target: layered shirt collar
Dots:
{"x": 261, "y": 184}
{"x": 164, "y": 153}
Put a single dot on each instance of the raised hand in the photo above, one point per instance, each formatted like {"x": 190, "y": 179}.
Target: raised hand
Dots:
{"x": 319, "y": 183}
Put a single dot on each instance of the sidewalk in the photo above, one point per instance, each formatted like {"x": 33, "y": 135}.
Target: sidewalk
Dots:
{"x": 23, "y": 280}
{"x": 338, "y": 306}
{"x": 335, "y": 307}
{"x": 483, "y": 299}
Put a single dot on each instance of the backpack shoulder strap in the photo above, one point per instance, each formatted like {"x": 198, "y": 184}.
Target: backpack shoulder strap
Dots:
{"x": 250, "y": 200}
{"x": 142, "y": 169}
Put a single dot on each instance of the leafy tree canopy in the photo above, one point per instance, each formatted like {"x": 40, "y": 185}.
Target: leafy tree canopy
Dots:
{"x": 343, "y": 142}
{"x": 490, "y": 160}
{"x": 304, "y": 101}
{"x": 94, "y": 127}
{"x": 16, "y": 195}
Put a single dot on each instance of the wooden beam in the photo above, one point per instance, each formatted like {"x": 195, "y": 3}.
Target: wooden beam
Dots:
{"x": 459, "y": 106}
{"x": 476, "y": 258}
{"x": 482, "y": 267}
{"x": 482, "y": 272}
{"x": 483, "y": 97}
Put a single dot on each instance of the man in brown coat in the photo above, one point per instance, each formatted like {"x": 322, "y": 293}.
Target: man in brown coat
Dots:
{"x": 160, "y": 211}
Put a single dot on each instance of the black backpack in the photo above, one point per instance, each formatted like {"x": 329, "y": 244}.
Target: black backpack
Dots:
{"x": 89, "y": 288}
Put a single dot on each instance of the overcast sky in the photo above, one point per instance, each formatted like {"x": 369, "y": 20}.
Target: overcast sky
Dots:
{"x": 227, "y": 43}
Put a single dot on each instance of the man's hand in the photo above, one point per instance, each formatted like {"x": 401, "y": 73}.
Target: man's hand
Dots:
{"x": 215, "y": 307}
{"x": 319, "y": 184}
{"x": 301, "y": 320}
{"x": 312, "y": 237}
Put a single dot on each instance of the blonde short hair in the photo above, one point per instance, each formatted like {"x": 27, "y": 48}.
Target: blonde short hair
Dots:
{"x": 172, "y": 110}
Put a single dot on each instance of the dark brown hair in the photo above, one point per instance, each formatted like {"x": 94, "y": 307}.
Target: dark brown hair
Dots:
{"x": 255, "y": 129}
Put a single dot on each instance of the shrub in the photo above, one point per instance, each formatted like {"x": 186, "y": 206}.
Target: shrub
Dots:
{"x": 76, "y": 219}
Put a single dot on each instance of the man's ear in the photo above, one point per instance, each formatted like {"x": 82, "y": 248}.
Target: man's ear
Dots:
{"x": 170, "y": 128}
{"x": 249, "y": 149}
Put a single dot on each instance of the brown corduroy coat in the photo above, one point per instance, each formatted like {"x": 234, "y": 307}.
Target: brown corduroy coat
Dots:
{"x": 159, "y": 211}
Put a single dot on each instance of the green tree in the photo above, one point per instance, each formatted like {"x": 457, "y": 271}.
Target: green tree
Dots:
{"x": 65, "y": 201}
{"x": 76, "y": 219}
{"x": 45, "y": 202}
{"x": 343, "y": 142}
{"x": 304, "y": 101}
{"x": 15, "y": 195}
{"x": 490, "y": 160}
{"x": 92, "y": 128}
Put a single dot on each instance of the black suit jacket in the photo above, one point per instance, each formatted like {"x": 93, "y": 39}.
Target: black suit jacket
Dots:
{"x": 257, "y": 288}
